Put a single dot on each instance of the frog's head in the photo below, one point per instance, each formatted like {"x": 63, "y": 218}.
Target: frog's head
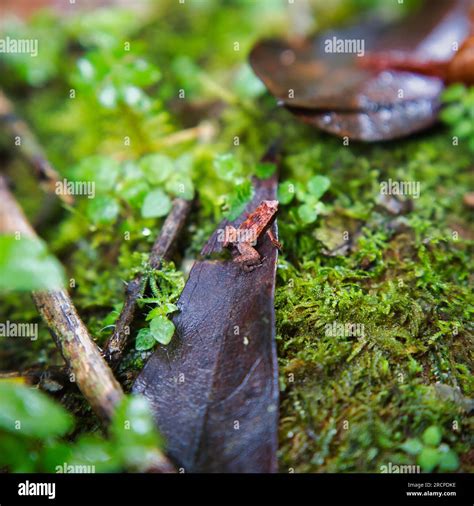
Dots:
{"x": 272, "y": 205}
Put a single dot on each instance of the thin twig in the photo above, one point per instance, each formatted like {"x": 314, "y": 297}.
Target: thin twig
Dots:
{"x": 92, "y": 375}
{"x": 29, "y": 147}
{"x": 171, "y": 229}
{"x": 87, "y": 367}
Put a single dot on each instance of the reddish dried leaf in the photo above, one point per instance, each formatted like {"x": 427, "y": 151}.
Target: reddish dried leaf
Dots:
{"x": 334, "y": 92}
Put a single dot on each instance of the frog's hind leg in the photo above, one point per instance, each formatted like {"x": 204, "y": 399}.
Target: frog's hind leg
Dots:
{"x": 248, "y": 258}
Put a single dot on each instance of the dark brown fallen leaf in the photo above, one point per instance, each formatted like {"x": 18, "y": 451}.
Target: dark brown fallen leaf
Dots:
{"x": 335, "y": 93}
{"x": 214, "y": 388}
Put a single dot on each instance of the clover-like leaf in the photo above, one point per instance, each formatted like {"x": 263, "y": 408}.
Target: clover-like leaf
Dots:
{"x": 412, "y": 446}
{"x": 156, "y": 168}
{"x": 448, "y": 461}
{"x": 162, "y": 329}
{"x": 286, "y": 192}
{"x": 156, "y": 204}
{"x": 428, "y": 459}
{"x": 227, "y": 166}
{"x": 318, "y": 185}
{"x": 432, "y": 436}
{"x": 103, "y": 210}
{"x": 145, "y": 340}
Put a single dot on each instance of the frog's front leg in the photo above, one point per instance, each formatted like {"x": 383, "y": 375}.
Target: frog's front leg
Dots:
{"x": 249, "y": 257}
{"x": 273, "y": 239}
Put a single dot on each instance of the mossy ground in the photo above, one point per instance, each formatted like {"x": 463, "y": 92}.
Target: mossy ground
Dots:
{"x": 348, "y": 402}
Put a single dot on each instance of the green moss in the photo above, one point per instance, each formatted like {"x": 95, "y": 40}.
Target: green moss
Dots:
{"x": 350, "y": 401}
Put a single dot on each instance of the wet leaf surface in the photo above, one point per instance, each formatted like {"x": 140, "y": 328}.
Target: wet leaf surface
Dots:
{"x": 214, "y": 388}
{"x": 334, "y": 92}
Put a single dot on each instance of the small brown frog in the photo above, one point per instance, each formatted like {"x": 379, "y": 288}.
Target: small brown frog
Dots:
{"x": 245, "y": 237}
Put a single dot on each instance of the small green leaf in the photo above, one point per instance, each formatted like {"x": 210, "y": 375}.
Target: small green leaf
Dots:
{"x": 103, "y": 171}
{"x": 432, "y": 436}
{"x": 156, "y": 204}
{"x": 412, "y": 446}
{"x": 140, "y": 73}
{"x": 464, "y": 129}
{"x": 452, "y": 113}
{"x": 264, "y": 170}
{"x": 157, "y": 311}
{"x": 453, "y": 93}
{"x": 29, "y": 412}
{"x": 318, "y": 185}
{"x": 286, "y": 192}
{"x": 307, "y": 214}
{"x": 26, "y": 265}
{"x": 103, "y": 210}
{"x": 156, "y": 168}
{"x": 227, "y": 166}
{"x": 428, "y": 459}
{"x": 448, "y": 461}
{"x": 162, "y": 329}
{"x": 170, "y": 308}
{"x": 161, "y": 310}
{"x": 181, "y": 186}
{"x": 134, "y": 192}
{"x": 145, "y": 340}
{"x": 239, "y": 200}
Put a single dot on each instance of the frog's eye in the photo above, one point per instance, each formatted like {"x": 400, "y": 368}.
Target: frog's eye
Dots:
{"x": 272, "y": 204}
